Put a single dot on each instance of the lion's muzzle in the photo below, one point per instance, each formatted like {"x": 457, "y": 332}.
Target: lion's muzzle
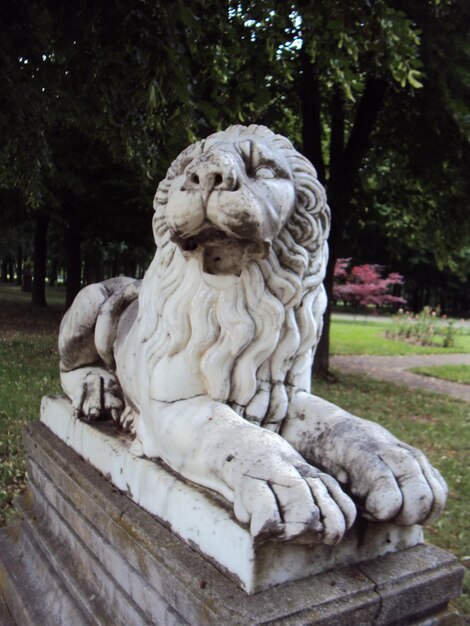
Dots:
{"x": 215, "y": 170}
{"x": 228, "y": 205}
{"x": 212, "y": 179}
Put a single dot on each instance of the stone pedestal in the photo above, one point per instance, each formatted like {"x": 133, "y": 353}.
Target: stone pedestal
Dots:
{"x": 84, "y": 553}
{"x": 204, "y": 520}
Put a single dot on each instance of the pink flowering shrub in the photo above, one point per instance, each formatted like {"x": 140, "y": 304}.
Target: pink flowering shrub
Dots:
{"x": 363, "y": 285}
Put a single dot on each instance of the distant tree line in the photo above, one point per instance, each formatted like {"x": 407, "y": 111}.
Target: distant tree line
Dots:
{"x": 98, "y": 98}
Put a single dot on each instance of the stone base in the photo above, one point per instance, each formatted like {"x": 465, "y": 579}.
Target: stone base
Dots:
{"x": 83, "y": 553}
{"x": 205, "y": 521}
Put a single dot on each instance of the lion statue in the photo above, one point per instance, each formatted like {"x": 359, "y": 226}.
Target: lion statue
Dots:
{"x": 208, "y": 359}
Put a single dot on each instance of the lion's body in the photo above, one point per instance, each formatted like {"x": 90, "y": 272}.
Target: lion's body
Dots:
{"x": 219, "y": 340}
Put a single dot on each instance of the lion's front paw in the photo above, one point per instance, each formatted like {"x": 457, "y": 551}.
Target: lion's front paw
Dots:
{"x": 293, "y": 500}
{"x": 99, "y": 397}
{"x": 397, "y": 483}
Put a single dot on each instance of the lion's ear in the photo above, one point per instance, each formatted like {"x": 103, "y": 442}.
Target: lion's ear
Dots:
{"x": 184, "y": 159}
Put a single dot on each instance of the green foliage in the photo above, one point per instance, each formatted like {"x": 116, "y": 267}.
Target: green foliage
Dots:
{"x": 98, "y": 98}
{"x": 28, "y": 370}
{"x": 414, "y": 181}
{"x": 348, "y": 41}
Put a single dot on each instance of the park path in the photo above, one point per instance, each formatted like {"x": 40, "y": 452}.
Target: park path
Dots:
{"x": 394, "y": 369}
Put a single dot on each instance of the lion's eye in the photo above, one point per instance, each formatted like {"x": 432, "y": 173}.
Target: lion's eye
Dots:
{"x": 264, "y": 172}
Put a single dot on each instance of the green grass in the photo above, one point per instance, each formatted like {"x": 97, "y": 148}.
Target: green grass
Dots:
{"x": 436, "y": 424}
{"x": 28, "y": 370}
{"x": 11, "y": 295}
{"x": 358, "y": 337}
{"x": 454, "y": 373}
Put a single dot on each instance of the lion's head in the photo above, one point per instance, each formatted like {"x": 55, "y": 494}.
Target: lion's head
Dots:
{"x": 240, "y": 225}
{"x": 229, "y": 202}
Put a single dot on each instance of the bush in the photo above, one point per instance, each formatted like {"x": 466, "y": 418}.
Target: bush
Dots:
{"x": 424, "y": 329}
{"x": 363, "y": 285}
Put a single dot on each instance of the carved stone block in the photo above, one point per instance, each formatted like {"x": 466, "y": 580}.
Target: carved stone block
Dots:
{"x": 84, "y": 554}
{"x": 205, "y": 521}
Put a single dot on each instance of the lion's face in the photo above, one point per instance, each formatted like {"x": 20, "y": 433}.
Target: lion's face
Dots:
{"x": 228, "y": 203}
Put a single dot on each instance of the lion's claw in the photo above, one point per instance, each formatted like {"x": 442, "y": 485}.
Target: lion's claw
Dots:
{"x": 397, "y": 483}
{"x": 126, "y": 419}
{"x": 294, "y": 503}
{"x": 327, "y": 493}
{"x": 98, "y": 397}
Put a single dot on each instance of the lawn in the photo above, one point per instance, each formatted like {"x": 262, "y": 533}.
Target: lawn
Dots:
{"x": 28, "y": 370}
{"x": 368, "y": 337}
{"x": 436, "y": 424}
{"x": 454, "y": 373}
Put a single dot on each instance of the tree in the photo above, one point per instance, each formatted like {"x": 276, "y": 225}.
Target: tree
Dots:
{"x": 63, "y": 74}
{"x": 362, "y": 285}
{"x": 374, "y": 86}
{"x": 66, "y": 73}
{"x": 364, "y": 86}
{"x": 348, "y": 58}
{"x": 377, "y": 53}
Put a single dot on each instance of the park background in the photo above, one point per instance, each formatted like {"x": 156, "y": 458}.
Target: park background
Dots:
{"x": 98, "y": 98}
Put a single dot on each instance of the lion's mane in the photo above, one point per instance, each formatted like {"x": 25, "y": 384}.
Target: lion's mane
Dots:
{"x": 242, "y": 361}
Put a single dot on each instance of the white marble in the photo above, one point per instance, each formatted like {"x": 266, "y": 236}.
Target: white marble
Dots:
{"x": 205, "y": 521}
{"x": 208, "y": 361}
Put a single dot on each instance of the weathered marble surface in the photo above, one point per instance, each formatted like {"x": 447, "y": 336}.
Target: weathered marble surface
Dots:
{"x": 207, "y": 523}
{"x": 84, "y": 554}
{"x": 208, "y": 361}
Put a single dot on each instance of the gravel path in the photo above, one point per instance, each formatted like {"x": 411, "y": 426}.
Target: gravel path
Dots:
{"x": 394, "y": 369}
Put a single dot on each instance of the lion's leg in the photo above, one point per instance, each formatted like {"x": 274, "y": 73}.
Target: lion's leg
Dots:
{"x": 270, "y": 485}
{"x": 94, "y": 391}
{"x": 77, "y": 330}
{"x": 391, "y": 480}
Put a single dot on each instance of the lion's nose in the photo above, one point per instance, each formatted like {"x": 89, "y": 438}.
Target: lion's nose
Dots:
{"x": 212, "y": 172}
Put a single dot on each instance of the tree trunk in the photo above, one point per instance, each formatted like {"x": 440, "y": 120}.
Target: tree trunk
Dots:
{"x": 4, "y": 270}
{"x": 73, "y": 263}
{"x": 19, "y": 265}
{"x": 38, "y": 296}
{"x": 114, "y": 271}
{"x": 93, "y": 266}
{"x": 53, "y": 271}
{"x": 345, "y": 161}
{"x": 321, "y": 364}
{"x": 309, "y": 92}
{"x": 27, "y": 283}
{"x": 11, "y": 270}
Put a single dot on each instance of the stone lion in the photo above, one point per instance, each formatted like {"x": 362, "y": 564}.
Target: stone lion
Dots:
{"x": 208, "y": 360}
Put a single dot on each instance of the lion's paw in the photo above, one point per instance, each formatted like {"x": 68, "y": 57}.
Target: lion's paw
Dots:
{"x": 395, "y": 482}
{"x": 98, "y": 397}
{"x": 294, "y": 502}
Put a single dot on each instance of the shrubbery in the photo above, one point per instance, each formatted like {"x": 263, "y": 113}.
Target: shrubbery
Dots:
{"x": 363, "y": 285}
{"x": 428, "y": 328}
